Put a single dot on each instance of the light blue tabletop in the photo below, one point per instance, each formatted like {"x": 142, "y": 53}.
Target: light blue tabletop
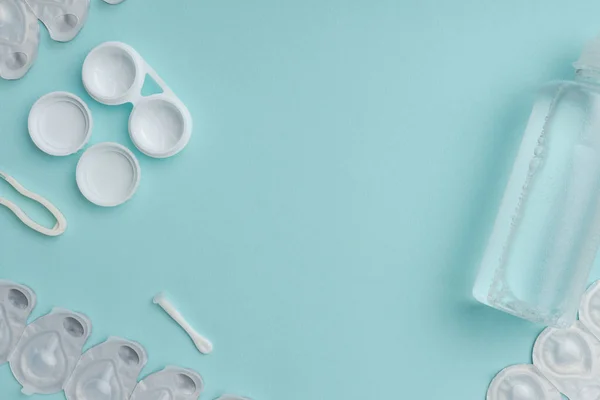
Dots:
{"x": 324, "y": 224}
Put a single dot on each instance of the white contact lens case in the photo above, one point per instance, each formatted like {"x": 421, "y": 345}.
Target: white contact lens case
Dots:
{"x": 114, "y": 1}
{"x": 19, "y": 38}
{"x": 160, "y": 125}
{"x": 108, "y": 174}
{"x": 519, "y": 382}
{"x": 63, "y": 18}
{"x": 16, "y": 303}
{"x": 48, "y": 351}
{"x": 60, "y": 123}
{"x": 171, "y": 383}
{"x": 107, "y": 371}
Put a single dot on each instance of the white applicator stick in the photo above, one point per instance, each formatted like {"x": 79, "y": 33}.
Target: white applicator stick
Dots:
{"x": 203, "y": 345}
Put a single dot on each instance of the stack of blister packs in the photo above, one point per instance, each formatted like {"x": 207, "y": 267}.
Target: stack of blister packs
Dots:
{"x": 565, "y": 361}
{"x": 45, "y": 357}
{"x": 20, "y": 32}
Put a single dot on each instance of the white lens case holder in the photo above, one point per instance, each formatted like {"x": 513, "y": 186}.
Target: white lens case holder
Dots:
{"x": 160, "y": 125}
{"x": 107, "y": 371}
{"x": 48, "y": 351}
{"x": 19, "y": 38}
{"x": 16, "y": 304}
{"x": 171, "y": 383}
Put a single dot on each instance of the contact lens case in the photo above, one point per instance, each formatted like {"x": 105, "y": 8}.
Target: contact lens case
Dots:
{"x": 160, "y": 125}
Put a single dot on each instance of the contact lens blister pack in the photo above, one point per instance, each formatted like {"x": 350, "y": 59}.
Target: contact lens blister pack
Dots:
{"x": 519, "y": 382}
{"x": 570, "y": 358}
{"x": 63, "y": 18}
{"x": 565, "y": 361}
{"x": 48, "y": 351}
{"x": 160, "y": 125}
{"x": 107, "y": 371}
{"x": 19, "y": 38}
{"x": 589, "y": 311}
{"x": 171, "y": 383}
{"x": 16, "y": 303}
{"x": 20, "y": 30}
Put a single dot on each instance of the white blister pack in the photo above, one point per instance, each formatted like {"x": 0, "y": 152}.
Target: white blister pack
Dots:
{"x": 19, "y": 38}
{"x": 519, "y": 382}
{"x": 589, "y": 310}
{"x": 63, "y": 18}
{"x": 48, "y": 351}
{"x": 570, "y": 360}
{"x": 16, "y": 303}
{"x": 171, "y": 383}
{"x": 107, "y": 371}
{"x": 160, "y": 125}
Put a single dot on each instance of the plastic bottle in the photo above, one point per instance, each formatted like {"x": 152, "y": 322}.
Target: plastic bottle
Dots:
{"x": 547, "y": 230}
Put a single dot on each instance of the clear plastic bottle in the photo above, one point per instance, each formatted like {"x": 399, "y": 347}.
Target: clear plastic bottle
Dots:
{"x": 547, "y": 231}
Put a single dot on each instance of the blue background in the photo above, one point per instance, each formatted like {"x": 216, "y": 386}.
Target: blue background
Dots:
{"x": 324, "y": 224}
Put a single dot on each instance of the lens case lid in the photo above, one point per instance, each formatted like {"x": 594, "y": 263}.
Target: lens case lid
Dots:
{"x": 60, "y": 123}
{"x": 19, "y": 39}
{"x": 160, "y": 125}
{"x": 172, "y": 383}
{"x": 48, "y": 351}
{"x": 16, "y": 304}
{"x": 108, "y": 174}
{"x": 107, "y": 371}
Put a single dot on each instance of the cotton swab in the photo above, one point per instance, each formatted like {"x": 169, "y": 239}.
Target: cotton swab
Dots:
{"x": 203, "y": 345}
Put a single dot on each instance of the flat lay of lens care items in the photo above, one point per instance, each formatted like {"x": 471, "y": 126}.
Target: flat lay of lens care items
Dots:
{"x": 344, "y": 199}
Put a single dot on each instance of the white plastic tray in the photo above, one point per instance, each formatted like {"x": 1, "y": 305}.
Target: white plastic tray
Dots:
{"x": 160, "y": 125}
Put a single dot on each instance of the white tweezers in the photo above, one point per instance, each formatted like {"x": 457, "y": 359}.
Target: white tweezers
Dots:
{"x": 61, "y": 222}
